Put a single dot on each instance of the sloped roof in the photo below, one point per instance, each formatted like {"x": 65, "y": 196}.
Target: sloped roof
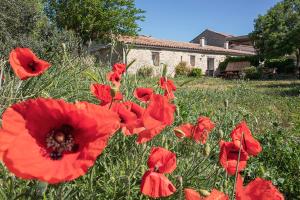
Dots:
{"x": 153, "y": 42}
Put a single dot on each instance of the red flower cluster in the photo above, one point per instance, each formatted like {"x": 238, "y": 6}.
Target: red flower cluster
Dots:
{"x": 257, "y": 189}
{"x": 26, "y": 64}
{"x": 154, "y": 183}
{"x": 55, "y": 141}
{"x": 168, "y": 86}
{"x": 191, "y": 194}
{"x": 198, "y": 132}
{"x": 236, "y": 153}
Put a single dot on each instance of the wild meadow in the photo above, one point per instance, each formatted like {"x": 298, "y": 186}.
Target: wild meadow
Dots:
{"x": 270, "y": 109}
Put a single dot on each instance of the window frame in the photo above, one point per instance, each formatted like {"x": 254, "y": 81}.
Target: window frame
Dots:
{"x": 193, "y": 61}
{"x": 154, "y": 54}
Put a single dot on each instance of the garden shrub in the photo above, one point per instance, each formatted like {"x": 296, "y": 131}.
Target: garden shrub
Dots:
{"x": 252, "y": 73}
{"x": 283, "y": 65}
{"x": 146, "y": 71}
{"x": 182, "y": 69}
{"x": 196, "y": 72}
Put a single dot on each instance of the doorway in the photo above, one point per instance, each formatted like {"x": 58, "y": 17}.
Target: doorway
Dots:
{"x": 210, "y": 66}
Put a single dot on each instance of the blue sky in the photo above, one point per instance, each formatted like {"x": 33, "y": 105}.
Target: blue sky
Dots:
{"x": 182, "y": 20}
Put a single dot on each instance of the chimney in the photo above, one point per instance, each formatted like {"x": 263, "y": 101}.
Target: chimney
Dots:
{"x": 202, "y": 41}
{"x": 226, "y": 45}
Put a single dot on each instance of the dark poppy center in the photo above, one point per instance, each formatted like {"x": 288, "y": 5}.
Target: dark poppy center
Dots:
{"x": 60, "y": 141}
{"x": 32, "y": 66}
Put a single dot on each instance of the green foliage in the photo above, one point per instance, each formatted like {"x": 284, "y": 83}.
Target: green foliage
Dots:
{"x": 182, "y": 69}
{"x": 146, "y": 71}
{"x": 254, "y": 61}
{"x": 283, "y": 65}
{"x": 277, "y": 32}
{"x": 282, "y": 153}
{"x": 32, "y": 29}
{"x": 96, "y": 19}
{"x": 252, "y": 73}
{"x": 196, "y": 72}
{"x": 117, "y": 173}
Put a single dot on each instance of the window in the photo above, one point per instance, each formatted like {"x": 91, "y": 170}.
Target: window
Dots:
{"x": 155, "y": 58}
{"x": 192, "y": 61}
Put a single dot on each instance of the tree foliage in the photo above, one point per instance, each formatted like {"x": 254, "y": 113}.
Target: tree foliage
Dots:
{"x": 277, "y": 32}
{"x": 96, "y": 19}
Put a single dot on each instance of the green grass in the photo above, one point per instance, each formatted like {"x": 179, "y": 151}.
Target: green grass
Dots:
{"x": 271, "y": 109}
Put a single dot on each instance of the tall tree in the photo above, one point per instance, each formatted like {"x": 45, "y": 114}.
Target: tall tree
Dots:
{"x": 96, "y": 19}
{"x": 277, "y": 33}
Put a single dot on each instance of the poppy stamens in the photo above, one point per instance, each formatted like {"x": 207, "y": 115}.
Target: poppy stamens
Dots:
{"x": 61, "y": 140}
{"x": 32, "y": 66}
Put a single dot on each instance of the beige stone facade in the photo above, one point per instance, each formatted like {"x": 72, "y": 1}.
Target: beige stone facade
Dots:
{"x": 171, "y": 58}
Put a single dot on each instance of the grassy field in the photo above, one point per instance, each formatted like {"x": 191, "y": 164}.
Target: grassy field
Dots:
{"x": 271, "y": 108}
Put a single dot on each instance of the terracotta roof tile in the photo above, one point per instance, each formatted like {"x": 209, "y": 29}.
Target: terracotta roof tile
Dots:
{"x": 153, "y": 42}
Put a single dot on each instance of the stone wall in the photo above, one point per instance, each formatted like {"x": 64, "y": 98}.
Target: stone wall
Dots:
{"x": 171, "y": 58}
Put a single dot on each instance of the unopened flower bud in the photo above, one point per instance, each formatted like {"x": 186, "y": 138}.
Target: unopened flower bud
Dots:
{"x": 262, "y": 170}
{"x": 114, "y": 91}
{"x": 221, "y": 133}
{"x": 179, "y": 133}
{"x": 179, "y": 178}
{"x": 204, "y": 192}
{"x": 226, "y": 102}
{"x": 206, "y": 149}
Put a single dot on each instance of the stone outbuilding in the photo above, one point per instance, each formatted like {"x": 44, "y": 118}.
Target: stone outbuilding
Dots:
{"x": 206, "y": 51}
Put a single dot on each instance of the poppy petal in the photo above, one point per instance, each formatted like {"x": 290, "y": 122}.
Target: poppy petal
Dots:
{"x": 191, "y": 194}
{"x": 184, "y": 130}
{"x": 251, "y": 145}
{"x": 162, "y": 160}
{"x": 229, "y": 157}
{"x": 143, "y": 94}
{"x": 156, "y": 185}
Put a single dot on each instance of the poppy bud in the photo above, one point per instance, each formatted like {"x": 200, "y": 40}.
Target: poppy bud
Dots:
{"x": 206, "y": 149}
{"x": 221, "y": 133}
{"x": 226, "y": 102}
{"x": 204, "y": 192}
{"x": 179, "y": 178}
{"x": 64, "y": 46}
{"x": 262, "y": 171}
{"x": 177, "y": 111}
{"x": 114, "y": 91}
{"x": 165, "y": 69}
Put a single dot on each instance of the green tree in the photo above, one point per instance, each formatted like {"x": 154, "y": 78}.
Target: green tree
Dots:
{"x": 96, "y": 19}
{"x": 277, "y": 33}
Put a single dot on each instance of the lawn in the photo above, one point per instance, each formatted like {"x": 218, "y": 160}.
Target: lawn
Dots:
{"x": 271, "y": 109}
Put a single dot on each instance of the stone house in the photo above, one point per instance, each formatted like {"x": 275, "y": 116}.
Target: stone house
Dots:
{"x": 206, "y": 51}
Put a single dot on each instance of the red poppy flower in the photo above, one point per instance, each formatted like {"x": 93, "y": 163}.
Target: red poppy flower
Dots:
{"x": 198, "y": 132}
{"x": 162, "y": 160}
{"x": 154, "y": 183}
{"x": 184, "y": 130}
{"x": 130, "y": 114}
{"x": 103, "y": 93}
{"x": 158, "y": 115}
{"x": 229, "y": 157}
{"x": 54, "y": 141}
{"x": 191, "y": 194}
{"x": 249, "y": 144}
{"x": 258, "y": 189}
{"x": 119, "y": 68}
{"x": 168, "y": 86}
{"x": 143, "y": 94}
{"x": 115, "y": 78}
{"x": 202, "y": 129}
{"x": 26, "y": 64}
